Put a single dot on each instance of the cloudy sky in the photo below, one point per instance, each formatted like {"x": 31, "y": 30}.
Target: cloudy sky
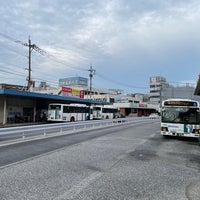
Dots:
{"x": 125, "y": 41}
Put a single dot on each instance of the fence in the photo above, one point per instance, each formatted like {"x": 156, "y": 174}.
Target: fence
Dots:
{"x": 22, "y": 133}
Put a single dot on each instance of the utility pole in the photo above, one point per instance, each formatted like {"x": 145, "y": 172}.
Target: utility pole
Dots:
{"x": 31, "y": 47}
{"x": 92, "y": 72}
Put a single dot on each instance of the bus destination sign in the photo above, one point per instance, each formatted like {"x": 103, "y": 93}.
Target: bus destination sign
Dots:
{"x": 180, "y": 103}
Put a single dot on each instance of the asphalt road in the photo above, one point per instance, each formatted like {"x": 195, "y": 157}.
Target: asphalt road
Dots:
{"x": 126, "y": 162}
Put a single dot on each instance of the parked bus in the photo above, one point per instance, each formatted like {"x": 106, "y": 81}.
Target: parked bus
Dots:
{"x": 104, "y": 112}
{"x": 180, "y": 117}
{"x": 68, "y": 112}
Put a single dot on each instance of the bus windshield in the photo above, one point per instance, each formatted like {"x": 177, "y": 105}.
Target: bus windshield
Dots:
{"x": 180, "y": 115}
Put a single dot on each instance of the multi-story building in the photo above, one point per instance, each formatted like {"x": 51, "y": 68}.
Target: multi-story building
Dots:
{"x": 156, "y": 85}
{"x": 186, "y": 92}
{"x": 160, "y": 90}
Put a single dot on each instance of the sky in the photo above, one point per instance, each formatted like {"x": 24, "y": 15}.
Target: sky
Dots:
{"x": 125, "y": 41}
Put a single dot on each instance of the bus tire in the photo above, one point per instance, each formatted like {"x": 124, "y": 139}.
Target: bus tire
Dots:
{"x": 166, "y": 136}
{"x": 72, "y": 119}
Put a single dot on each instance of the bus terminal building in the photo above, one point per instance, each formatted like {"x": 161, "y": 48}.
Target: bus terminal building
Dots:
{"x": 18, "y": 105}
{"x": 23, "y": 106}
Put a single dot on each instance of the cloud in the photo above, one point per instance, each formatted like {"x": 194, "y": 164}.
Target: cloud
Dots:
{"x": 127, "y": 38}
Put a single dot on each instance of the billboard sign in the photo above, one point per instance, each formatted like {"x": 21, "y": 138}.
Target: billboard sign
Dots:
{"x": 66, "y": 91}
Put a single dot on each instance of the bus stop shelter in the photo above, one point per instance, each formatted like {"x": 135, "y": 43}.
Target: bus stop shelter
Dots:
{"x": 26, "y": 105}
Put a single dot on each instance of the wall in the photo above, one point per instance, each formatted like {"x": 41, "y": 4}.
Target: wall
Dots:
{"x": 15, "y": 109}
{"x": 1, "y": 110}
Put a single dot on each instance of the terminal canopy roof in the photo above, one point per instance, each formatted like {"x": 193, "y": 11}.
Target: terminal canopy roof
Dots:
{"x": 49, "y": 97}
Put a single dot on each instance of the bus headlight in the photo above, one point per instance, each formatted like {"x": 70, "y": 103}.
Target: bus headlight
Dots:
{"x": 164, "y": 129}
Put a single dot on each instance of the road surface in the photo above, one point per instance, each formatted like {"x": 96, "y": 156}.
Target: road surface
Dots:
{"x": 127, "y": 162}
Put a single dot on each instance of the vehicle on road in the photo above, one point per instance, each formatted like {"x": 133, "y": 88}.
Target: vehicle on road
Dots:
{"x": 180, "y": 117}
{"x": 154, "y": 116}
{"x": 68, "y": 112}
{"x": 118, "y": 115}
{"x": 104, "y": 111}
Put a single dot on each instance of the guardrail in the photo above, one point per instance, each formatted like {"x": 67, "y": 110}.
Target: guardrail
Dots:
{"x": 51, "y": 130}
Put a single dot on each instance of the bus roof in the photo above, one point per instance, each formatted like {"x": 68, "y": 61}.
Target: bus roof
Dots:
{"x": 71, "y": 104}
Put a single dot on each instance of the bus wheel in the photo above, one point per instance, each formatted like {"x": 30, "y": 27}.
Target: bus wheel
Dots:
{"x": 166, "y": 136}
{"x": 72, "y": 119}
{"x": 107, "y": 117}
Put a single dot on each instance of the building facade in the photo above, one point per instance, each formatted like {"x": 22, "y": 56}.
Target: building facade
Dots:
{"x": 156, "y": 84}
{"x": 74, "y": 81}
{"x": 161, "y": 90}
{"x": 183, "y": 92}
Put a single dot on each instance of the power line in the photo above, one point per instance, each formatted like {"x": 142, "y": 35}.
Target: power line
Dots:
{"x": 10, "y": 64}
{"x": 119, "y": 83}
{"x": 42, "y": 52}
{"x": 54, "y": 58}
{"x": 49, "y": 82}
{"x": 31, "y": 47}
{"x": 11, "y": 72}
{"x": 16, "y": 52}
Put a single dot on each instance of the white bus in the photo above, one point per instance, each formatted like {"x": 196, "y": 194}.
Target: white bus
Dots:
{"x": 180, "y": 117}
{"x": 68, "y": 112}
{"x": 104, "y": 111}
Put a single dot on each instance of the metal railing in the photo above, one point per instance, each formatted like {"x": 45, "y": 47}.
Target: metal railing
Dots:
{"x": 32, "y": 132}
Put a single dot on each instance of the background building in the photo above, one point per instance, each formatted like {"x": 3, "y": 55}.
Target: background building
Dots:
{"x": 186, "y": 92}
{"x": 161, "y": 90}
{"x": 156, "y": 86}
{"x": 74, "y": 81}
